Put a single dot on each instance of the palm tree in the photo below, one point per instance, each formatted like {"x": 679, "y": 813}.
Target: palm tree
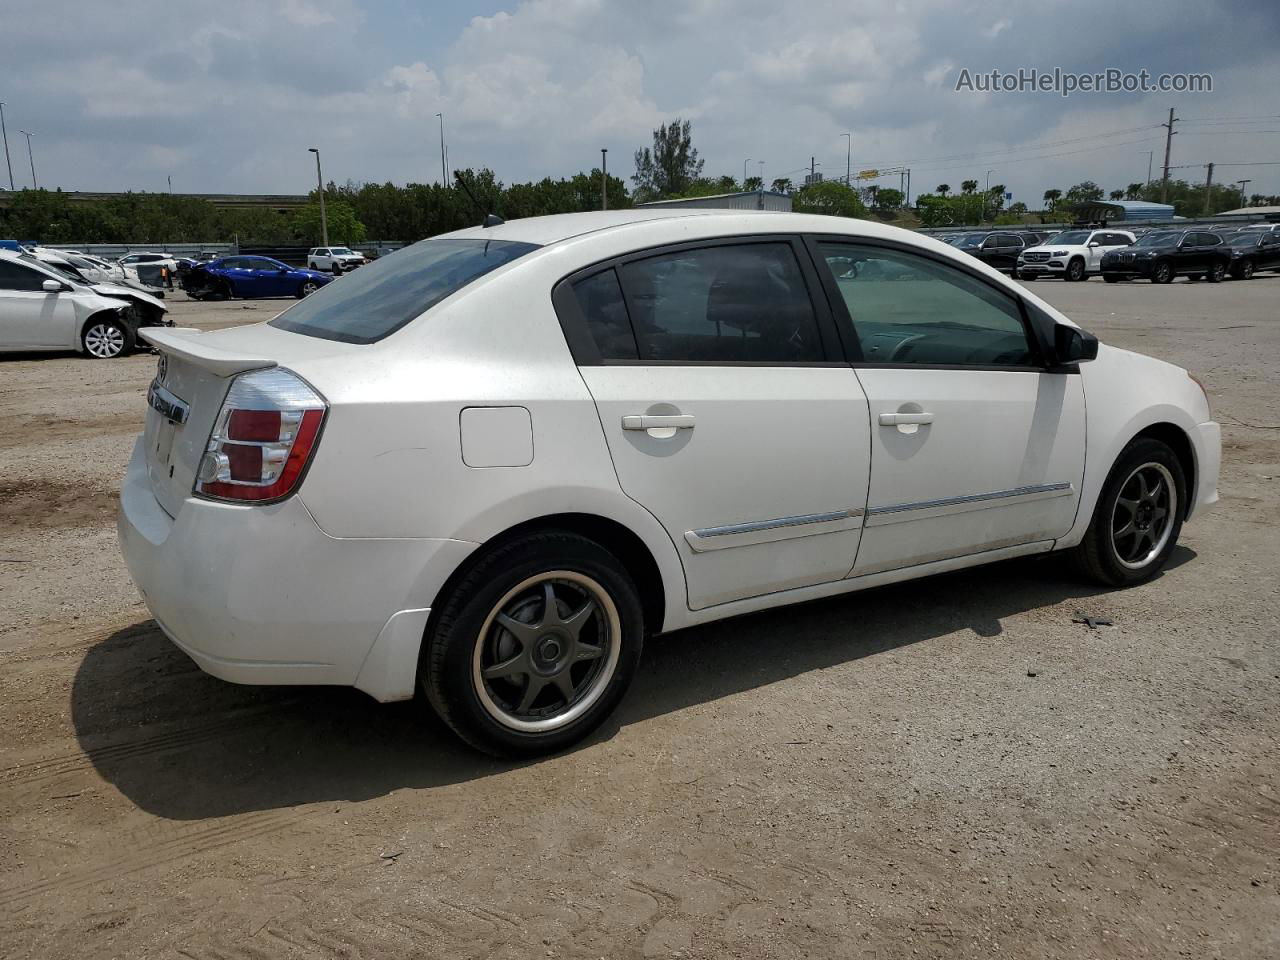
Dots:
{"x": 781, "y": 185}
{"x": 1051, "y": 197}
{"x": 942, "y": 189}
{"x": 996, "y": 190}
{"x": 1117, "y": 194}
{"x": 968, "y": 186}
{"x": 1133, "y": 191}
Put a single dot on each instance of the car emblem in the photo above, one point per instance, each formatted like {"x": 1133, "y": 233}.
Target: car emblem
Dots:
{"x": 162, "y": 368}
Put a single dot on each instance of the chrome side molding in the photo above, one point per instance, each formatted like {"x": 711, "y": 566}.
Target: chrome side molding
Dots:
{"x": 919, "y": 509}
{"x": 763, "y": 531}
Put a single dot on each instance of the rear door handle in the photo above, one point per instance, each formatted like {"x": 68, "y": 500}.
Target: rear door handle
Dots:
{"x": 683, "y": 421}
{"x": 896, "y": 419}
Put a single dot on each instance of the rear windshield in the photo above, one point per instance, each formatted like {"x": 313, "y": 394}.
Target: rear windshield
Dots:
{"x": 380, "y": 298}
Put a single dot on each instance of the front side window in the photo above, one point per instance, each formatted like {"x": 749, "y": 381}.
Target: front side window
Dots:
{"x": 1072, "y": 238}
{"x": 375, "y": 301}
{"x": 908, "y": 309}
{"x": 1157, "y": 240}
{"x": 731, "y": 303}
{"x": 14, "y": 276}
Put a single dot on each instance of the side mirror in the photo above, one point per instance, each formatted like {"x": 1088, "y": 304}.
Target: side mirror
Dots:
{"x": 1095, "y": 243}
{"x": 53, "y": 286}
{"x": 282, "y": 270}
{"x": 1073, "y": 345}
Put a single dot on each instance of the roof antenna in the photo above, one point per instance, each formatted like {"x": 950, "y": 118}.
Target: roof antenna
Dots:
{"x": 490, "y": 219}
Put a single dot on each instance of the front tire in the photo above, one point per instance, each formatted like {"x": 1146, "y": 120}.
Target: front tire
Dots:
{"x": 1217, "y": 272}
{"x": 307, "y": 288}
{"x": 1138, "y": 516}
{"x": 1163, "y": 273}
{"x": 1075, "y": 270}
{"x": 535, "y": 646}
{"x": 106, "y": 338}
{"x": 1244, "y": 270}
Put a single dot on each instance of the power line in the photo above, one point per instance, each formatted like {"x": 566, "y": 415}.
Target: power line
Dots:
{"x": 1018, "y": 149}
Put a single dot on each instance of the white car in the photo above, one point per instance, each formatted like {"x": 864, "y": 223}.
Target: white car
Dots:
{"x": 492, "y": 464}
{"x": 46, "y": 307}
{"x": 1072, "y": 254}
{"x": 334, "y": 259}
{"x": 149, "y": 259}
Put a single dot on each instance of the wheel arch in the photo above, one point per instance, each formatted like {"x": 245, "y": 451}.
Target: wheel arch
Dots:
{"x": 614, "y": 536}
{"x": 1180, "y": 443}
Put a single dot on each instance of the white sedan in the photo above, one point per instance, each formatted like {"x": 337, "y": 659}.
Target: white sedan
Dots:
{"x": 45, "y": 306}
{"x": 490, "y": 464}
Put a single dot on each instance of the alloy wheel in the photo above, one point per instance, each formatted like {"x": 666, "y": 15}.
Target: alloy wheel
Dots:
{"x": 1164, "y": 273}
{"x": 1246, "y": 270}
{"x": 547, "y": 651}
{"x": 1143, "y": 515}
{"x": 104, "y": 340}
{"x": 309, "y": 288}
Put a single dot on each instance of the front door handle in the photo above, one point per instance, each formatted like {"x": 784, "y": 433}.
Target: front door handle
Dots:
{"x": 683, "y": 421}
{"x": 898, "y": 419}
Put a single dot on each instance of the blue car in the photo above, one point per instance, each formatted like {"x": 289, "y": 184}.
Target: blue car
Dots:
{"x": 250, "y": 278}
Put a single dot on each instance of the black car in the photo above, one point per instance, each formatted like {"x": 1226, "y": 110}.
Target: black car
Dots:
{"x": 1253, "y": 250}
{"x": 998, "y": 248}
{"x": 1161, "y": 255}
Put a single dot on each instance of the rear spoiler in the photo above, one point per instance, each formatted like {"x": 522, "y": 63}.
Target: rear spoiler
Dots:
{"x": 184, "y": 343}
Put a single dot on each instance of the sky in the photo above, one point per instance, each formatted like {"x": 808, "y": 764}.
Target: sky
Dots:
{"x": 227, "y": 97}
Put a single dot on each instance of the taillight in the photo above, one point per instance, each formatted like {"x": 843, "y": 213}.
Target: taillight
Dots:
{"x": 262, "y": 439}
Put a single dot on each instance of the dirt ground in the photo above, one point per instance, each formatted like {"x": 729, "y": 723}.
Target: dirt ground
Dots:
{"x": 945, "y": 768}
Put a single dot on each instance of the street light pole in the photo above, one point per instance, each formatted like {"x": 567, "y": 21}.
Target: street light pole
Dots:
{"x": 1243, "y": 183}
{"x": 444, "y": 175}
{"x": 604, "y": 178}
{"x": 5, "y": 133}
{"x": 324, "y": 222}
{"x": 31, "y": 158}
{"x": 848, "y": 159}
{"x": 986, "y": 194}
{"x": 761, "y": 162}
{"x": 744, "y": 172}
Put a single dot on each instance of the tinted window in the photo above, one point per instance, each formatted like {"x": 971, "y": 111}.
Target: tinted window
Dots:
{"x": 600, "y": 300}
{"x": 16, "y": 277}
{"x": 1208, "y": 239}
{"x": 909, "y": 309}
{"x": 1157, "y": 240}
{"x": 1008, "y": 242}
{"x": 262, "y": 263}
{"x": 744, "y": 302}
{"x": 379, "y": 299}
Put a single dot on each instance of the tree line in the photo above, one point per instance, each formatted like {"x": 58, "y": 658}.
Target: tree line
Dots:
{"x": 669, "y": 168}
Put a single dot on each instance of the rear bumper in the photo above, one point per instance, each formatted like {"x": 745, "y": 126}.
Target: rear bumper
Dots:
{"x": 262, "y": 595}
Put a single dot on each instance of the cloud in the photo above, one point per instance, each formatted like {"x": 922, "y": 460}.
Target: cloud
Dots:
{"x": 230, "y": 98}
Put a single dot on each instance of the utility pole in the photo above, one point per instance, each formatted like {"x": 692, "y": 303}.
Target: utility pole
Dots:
{"x": 811, "y": 166}
{"x": 169, "y": 178}
{"x": 324, "y": 222}
{"x": 908, "y": 187}
{"x": 1150, "y": 156}
{"x": 744, "y": 172}
{"x": 604, "y": 178}
{"x": 444, "y": 176}
{"x": 5, "y": 133}
{"x": 1242, "y": 186}
{"x": 848, "y": 159}
{"x": 1168, "y": 144}
{"x": 31, "y": 158}
{"x": 1208, "y": 188}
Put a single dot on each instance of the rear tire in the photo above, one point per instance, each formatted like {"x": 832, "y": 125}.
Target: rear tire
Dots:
{"x": 1138, "y": 517}
{"x": 1217, "y": 272}
{"x": 498, "y": 634}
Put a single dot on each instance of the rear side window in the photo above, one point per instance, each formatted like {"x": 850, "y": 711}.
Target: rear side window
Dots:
{"x": 729, "y": 303}
{"x": 600, "y": 300}
{"x": 379, "y": 299}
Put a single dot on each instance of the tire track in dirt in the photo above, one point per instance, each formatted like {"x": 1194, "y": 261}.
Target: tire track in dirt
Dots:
{"x": 184, "y": 843}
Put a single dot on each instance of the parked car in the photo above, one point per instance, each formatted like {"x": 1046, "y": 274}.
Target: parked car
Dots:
{"x": 250, "y": 277}
{"x": 154, "y": 259}
{"x": 1253, "y": 250}
{"x": 1161, "y": 255}
{"x": 999, "y": 248}
{"x": 1072, "y": 254}
{"x": 44, "y": 307}
{"x": 492, "y": 464}
{"x": 335, "y": 259}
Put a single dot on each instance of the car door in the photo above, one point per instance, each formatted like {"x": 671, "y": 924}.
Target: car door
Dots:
{"x": 975, "y": 446}
{"x": 30, "y": 316}
{"x": 728, "y": 410}
{"x": 268, "y": 278}
{"x": 1009, "y": 248}
{"x": 1269, "y": 251}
